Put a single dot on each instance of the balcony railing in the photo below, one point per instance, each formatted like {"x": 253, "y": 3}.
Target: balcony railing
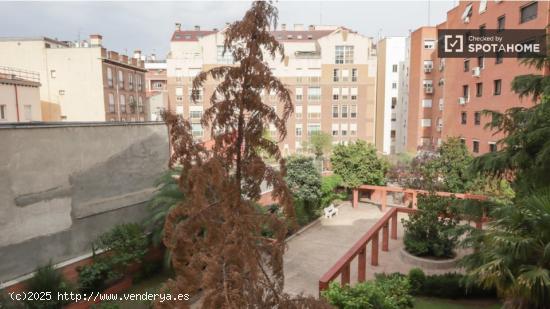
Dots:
{"x": 15, "y": 73}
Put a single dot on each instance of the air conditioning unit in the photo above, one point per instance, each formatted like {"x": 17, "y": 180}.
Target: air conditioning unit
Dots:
{"x": 427, "y": 69}
{"x": 476, "y": 71}
{"x": 428, "y": 89}
{"x": 462, "y": 100}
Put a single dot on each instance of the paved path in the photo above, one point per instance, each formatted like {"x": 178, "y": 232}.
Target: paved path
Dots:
{"x": 312, "y": 253}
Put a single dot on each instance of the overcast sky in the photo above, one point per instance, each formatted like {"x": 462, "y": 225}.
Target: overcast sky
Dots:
{"x": 148, "y": 26}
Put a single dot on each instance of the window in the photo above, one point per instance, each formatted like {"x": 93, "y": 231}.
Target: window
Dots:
{"x": 344, "y": 111}
{"x": 179, "y": 93}
{"x": 299, "y": 94}
{"x": 335, "y": 129}
{"x": 335, "y": 94}
{"x": 314, "y": 112}
{"x": 122, "y": 102}
{"x": 466, "y": 65}
{"x": 3, "y": 112}
{"x": 463, "y": 141}
{"x": 394, "y": 102}
{"x": 477, "y": 118}
{"x": 343, "y": 54}
{"x": 475, "y": 146}
{"x": 139, "y": 82}
{"x": 111, "y": 103}
{"x": 223, "y": 58}
{"x": 463, "y": 118}
{"x": 354, "y": 93}
{"x": 140, "y": 105}
{"x": 345, "y": 75}
{"x": 130, "y": 81}
{"x": 429, "y": 44}
{"x": 312, "y": 128}
{"x": 336, "y": 75}
{"x": 352, "y": 129}
{"x": 394, "y": 68}
{"x": 27, "y": 111}
{"x": 501, "y": 21}
{"x": 298, "y": 111}
{"x": 498, "y": 86}
{"x": 482, "y": 6}
{"x": 426, "y": 123}
{"x": 465, "y": 92}
{"x": 480, "y": 62}
{"x": 196, "y": 93}
{"x": 110, "y": 77}
{"x": 334, "y": 111}
{"x": 196, "y": 130}
{"x": 345, "y": 93}
{"x": 499, "y": 57}
{"x": 120, "y": 80}
{"x": 426, "y": 103}
{"x": 492, "y": 147}
{"x": 195, "y": 112}
{"x": 344, "y": 129}
{"x": 428, "y": 66}
{"x": 53, "y": 74}
{"x": 299, "y": 129}
{"x": 467, "y": 13}
{"x": 394, "y": 85}
{"x": 529, "y": 12}
{"x": 314, "y": 93}
{"x": 353, "y": 75}
{"x": 479, "y": 89}
{"x": 353, "y": 111}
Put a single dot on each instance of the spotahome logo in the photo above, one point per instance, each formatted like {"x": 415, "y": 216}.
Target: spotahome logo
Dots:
{"x": 509, "y": 43}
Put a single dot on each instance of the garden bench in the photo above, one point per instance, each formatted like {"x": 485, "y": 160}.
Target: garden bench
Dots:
{"x": 330, "y": 211}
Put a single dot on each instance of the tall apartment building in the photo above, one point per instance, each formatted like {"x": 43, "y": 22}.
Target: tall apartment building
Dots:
{"x": 331, "y": 72}
{"x": 403, "y": 101}
{"x": 86, "y": 82}
{"x": 156, "y": 87}
{"x": 390, "y": 54}
{"x": 19, "y": 96}
{"x": 448, "y": 101}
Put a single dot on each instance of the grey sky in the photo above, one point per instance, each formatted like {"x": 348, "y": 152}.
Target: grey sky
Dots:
{"x": 126, "y": 26}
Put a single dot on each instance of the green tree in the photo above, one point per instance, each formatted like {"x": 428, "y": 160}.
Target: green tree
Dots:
{"x": 304, "y": 180}
{"x": 357, "y": 163}
{"x": 320, "y": 143}
{"x": 329, "y": 185}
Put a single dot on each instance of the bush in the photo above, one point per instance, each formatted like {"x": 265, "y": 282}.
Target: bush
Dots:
{"x": 386, "y": 292}
{"x": 434, "y": 229}
{"x": 96, "y": 276}
{"x": 329, "y": 185}
{"x": 47, "y": 279}
{"x": 449, "y": 285}
{"x": 125, "y": 243}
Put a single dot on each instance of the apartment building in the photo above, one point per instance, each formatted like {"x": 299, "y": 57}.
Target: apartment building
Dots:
{"x": 19, "y": 95}
{"x": 448, "y": 99}
{"x": 390, "y": 55}
{"x": 84, "y": 80}
{"x": 331, "y": 72}
{"x": 156, "y": 87}
{"x": 401, "y": 109}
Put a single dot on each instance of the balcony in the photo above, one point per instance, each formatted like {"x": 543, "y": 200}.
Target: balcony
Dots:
{"x": 428, "y": 69}
{"x": 429, "y": 89}
{"x": 476, "y": 72}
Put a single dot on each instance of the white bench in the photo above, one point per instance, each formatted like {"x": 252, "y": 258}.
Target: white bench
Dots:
{"x": 330, "y": 211}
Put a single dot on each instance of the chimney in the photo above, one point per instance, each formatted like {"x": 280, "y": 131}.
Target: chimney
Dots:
{"x": 298, "y": 27}
{"x": 197, "y": 28}
{"x": 95, "y": 40}
{"x": 178, "y": 27}
{"x": 137, "y": 54}
{"x": 311, "y": 28}
{"x": 283, "y": 27}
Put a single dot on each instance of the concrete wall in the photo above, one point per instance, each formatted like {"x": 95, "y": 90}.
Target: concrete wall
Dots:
{"x": 61, "y": 186}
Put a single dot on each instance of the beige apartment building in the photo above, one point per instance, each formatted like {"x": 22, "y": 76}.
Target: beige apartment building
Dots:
{"x": 156, "y": 87}
{"x": 19, "y": 96}
{"x": 331, "y": 72}
{"x": 82, "y": 79}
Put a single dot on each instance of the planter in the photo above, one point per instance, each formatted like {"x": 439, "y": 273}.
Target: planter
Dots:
{"x": 427, "y": 263}
{"x": 120, "y": 286}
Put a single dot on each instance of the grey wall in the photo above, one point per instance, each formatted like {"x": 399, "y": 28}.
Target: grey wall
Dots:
{"x": 61, "y": 186}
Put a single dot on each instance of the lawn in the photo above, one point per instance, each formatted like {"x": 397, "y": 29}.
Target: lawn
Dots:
{"x": 436, "y": 303}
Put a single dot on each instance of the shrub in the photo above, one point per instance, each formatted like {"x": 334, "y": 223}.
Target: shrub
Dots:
{"x": 47, "y": 279}
{"x": 434, "y": 229}
{"x": 96, "y": 276}
{"x": 329, "y": 185}
{"x": 386, "y": 292}
{"x": 125, "y": 243}
{"x": 449, "y": 285}
{"x": 416, "y": 279}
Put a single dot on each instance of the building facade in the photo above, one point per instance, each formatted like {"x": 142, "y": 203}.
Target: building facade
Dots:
{"x": 447, "y": 95}
{"x": 331, "y": 72}
{"x": 19, "y": 96}
{"x": 85, "y": 81}
{"x": 156, "y": 87}
{"x": 390, "y": 55}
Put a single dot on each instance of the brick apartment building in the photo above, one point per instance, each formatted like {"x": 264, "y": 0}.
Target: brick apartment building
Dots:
{"x": 446, "y": 96}
{"x": 331, "y": 72}
{"x": 84, "y": 80}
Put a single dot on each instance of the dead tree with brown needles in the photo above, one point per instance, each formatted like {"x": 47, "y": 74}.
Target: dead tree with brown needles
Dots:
{"x": 215, "y": 234}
